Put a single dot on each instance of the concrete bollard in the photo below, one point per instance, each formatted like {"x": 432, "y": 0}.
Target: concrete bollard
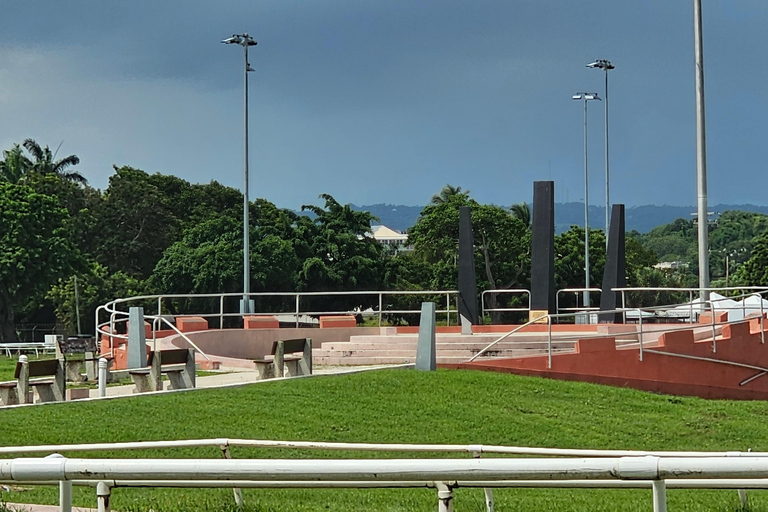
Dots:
{"x": 102, "y": 377}
{"x": 23, "y": 383}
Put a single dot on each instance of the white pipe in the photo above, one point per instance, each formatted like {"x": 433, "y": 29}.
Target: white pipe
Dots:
{"x": 708, "y": 483}
{"x": 438, "y": 470}
{"x": 443, "y": 448}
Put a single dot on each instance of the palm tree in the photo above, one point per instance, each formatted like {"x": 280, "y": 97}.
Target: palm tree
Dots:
{"x": 446, "y": 193}
{"x": 43, "y": 162}
{"x": 14, "y": 165}
{"x": 521, "y": 211}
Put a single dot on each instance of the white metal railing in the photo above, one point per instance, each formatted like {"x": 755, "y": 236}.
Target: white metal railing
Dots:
{"x": 450, "y": 296}
{"x": 519, "y": 292}
{"x": 577, "y": 292}
{"x": 444, "y": 474}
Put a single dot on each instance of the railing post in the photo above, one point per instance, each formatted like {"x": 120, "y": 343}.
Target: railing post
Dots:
{"x": 714, "y": 332}
{"x": 444, "y": 497}
{"x": 381, "y": 302}
{"x": 297, "y": 310}
{"x": 623, "y": 307}
{"x": 659, "y": 496}
{"x": 103, "y": 495}
{"x": 549, "y": 342}
{"x": 640, "y": 323}
{"x": 690, "y": 301}
{"x": 448, "y": 308}
{"x": 160, "y": 305}
{"x": 238, "y": 492}
{"x": 762, "y": 325}
{"x": 102, "y": 377}
{"x": 221, "y": 312}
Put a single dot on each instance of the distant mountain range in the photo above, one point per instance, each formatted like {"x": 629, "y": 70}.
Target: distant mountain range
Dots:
{"x": 640, "y": 218}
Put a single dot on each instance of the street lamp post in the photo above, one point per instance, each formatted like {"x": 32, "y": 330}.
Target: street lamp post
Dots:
{"x": 586, "y": 97}
{"x": 245, "y": 41}
{"x": 606, "y": 66}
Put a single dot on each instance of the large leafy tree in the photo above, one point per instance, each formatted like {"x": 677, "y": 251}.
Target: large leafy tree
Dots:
{"x": 35, "y": 250}
{"x": 502, "y": 245}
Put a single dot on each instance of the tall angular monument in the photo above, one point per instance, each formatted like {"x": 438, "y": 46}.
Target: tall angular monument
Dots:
{"x": 615, "y": 275}
{"x": 467, "y": 280}
{"x": 543, "y": 250}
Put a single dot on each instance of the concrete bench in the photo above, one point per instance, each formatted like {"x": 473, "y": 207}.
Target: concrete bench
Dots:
{"x": 287, "y": 358}
{"x": 177, "y": 364}
{"x": 51, "y": 386}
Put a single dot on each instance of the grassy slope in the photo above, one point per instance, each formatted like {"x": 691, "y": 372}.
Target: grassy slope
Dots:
{"x": 409, "y": 407}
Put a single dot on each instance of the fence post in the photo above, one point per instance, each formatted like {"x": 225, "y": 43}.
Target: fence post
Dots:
{"x": 102, "y": 377}
{"x": 640, "y": 323}
{"x": 444, "y": 497}
{"x": 762, "y": 325}
{"x": 659, "y": 496}
{"x": 103, "y": 495}
{"x": 238, "y": 492}
{"x": 297, "y": 310}
{"x": 381, "y": 302}
{"x": 549, "y": 342}
{"x": 221, "y": 312}
{"x": 714, "y": 332}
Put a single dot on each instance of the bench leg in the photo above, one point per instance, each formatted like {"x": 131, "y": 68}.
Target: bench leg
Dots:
{"x": 292, "y": 369}
{"x": 75, "y": 371}
{"x": 266, "y": 370}
{"x": 46, "y": 393}
{"x": 141, "y": 383}
{"x": 9, "y": 396}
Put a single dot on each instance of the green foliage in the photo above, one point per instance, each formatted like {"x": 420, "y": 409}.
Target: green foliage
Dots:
{"x": 35, "y": 249}
{"x": 397, "y": 406}
{"x": 95, "y": 287}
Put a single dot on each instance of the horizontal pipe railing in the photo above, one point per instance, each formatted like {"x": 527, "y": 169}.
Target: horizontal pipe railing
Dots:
{"x": 474, "y": 449}
{"x": 51, "y": 469}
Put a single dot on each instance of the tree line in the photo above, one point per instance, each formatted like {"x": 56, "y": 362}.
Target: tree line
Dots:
{"x": 159, "y": 234}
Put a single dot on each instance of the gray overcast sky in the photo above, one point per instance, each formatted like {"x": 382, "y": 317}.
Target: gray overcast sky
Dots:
{"x": 385, "y": 102}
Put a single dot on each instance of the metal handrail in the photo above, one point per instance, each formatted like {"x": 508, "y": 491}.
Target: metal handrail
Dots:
{"x": 518, "y": 291}
{"x": 576, "y": 291}
{"x": 112, "y": 306}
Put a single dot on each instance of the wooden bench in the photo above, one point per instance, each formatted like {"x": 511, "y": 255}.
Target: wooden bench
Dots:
{"x": 287, "y": 358}
{"x": 51, "y": 388}
{"x": 177, "y": 364}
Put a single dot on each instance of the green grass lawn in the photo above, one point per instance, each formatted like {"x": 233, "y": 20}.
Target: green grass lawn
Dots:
{"x": 400, "y": 406}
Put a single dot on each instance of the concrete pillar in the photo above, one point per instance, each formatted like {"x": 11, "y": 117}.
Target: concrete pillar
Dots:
{"x": 426, "y": 358}
{"x": 137, "y": 339}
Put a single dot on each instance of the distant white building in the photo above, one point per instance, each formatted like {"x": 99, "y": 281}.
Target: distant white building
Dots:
{"x": 391, "y": 238}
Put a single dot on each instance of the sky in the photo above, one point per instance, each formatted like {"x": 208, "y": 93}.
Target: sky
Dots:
{"x": 386, "y": 102}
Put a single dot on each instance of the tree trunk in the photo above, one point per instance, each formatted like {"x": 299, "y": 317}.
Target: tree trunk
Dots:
{"x": 7, "y": 325}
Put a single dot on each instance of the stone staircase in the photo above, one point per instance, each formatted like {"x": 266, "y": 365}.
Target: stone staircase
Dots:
{"x": 451, "y": 348}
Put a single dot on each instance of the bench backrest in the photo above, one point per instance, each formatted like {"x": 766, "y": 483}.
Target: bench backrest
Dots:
{"x": 173, "y": 356}
{"x": 291, "y": 346}
{"x": 40, "y": 368}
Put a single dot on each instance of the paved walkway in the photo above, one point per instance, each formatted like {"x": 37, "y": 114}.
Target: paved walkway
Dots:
{"x": 239, "y": 377}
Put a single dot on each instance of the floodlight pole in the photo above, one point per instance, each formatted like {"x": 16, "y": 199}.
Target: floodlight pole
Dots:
{"x": 701, "y": 155}
{"x": 586, "y": 96}
{"x": 606, "y": 66}
{"x": 245, "y": 41}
